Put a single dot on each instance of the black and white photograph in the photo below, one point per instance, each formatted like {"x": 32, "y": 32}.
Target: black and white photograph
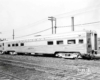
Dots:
{"x": 49, "y": 39}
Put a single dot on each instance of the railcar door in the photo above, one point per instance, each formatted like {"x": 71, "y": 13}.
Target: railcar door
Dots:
{"x": 1, "y": 48}
{"x": 89, "y": 43}
{"x": 95, "y": 43}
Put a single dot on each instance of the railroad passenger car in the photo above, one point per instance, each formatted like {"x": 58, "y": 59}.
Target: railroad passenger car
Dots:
{"x": 82, "y": 43}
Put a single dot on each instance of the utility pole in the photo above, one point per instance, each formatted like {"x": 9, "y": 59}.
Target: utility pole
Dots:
{"x": 72, "y": 18}
{"x": 13, "y": 34}
{"x": 55, "y": 25}
{"x": 53, "y": 19}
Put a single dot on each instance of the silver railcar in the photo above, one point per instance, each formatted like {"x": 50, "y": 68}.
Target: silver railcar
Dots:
{"x": 83, "y": 43}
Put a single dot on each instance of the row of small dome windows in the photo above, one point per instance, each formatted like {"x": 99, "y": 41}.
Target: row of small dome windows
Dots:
{"x": 21, "y": 44}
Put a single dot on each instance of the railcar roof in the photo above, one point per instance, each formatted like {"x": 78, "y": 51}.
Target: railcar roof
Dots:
{"x": 52, "y": 35}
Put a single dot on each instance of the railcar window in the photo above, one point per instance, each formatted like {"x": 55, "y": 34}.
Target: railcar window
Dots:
{"x": 59, "y": 42}
{"x": 71, "y": 41}
{"x": 3, "y": 44}
{"x": 89, "y": 46}
{"x": 22, "y": 44}
{"x": 88, "y": 41}
{"x": 16, "y": 44}
{"x": 12, "y": 44}
{"x": 50, "y": 42}
{"x": 8, "y": 45}
{"x": 80, "y": 41}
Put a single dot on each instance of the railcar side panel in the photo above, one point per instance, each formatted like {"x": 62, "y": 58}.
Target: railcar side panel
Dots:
{"x": 77, "y": 44}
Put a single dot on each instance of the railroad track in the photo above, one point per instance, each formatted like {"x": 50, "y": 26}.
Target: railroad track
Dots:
{"x": 52, "y": 71}
{"x": 6, "y": 76}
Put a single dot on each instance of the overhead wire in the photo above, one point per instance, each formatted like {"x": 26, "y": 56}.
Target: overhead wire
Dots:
{"x": 80, "y": 11}
{"x": 77, "y": 12}
{"x": 88, "y": 23}
{"x": 43, "y": 20}
{"x": 80, "y": 24}
{"x": 29, "y": 25}
{"x": 34, "y": 33}
{"x": 36, "y": 23}
{"x": 57, "y": 27}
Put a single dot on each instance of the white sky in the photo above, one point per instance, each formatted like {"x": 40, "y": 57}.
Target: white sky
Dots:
{"x": 30, "y": 16}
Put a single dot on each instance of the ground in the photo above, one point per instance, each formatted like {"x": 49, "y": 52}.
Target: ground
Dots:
{"x": 17, "y": 67}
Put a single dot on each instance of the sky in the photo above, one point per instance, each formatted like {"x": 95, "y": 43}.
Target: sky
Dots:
{"x": 27, "y": 17}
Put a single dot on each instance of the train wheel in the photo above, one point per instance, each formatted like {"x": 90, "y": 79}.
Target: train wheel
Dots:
{"x": 57, "y": 55}
{"x": 13, "y": 53}
{"x": 1, "y": 52}
{"x": 32, "y": 53}
{"x": 60, "y": 54}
